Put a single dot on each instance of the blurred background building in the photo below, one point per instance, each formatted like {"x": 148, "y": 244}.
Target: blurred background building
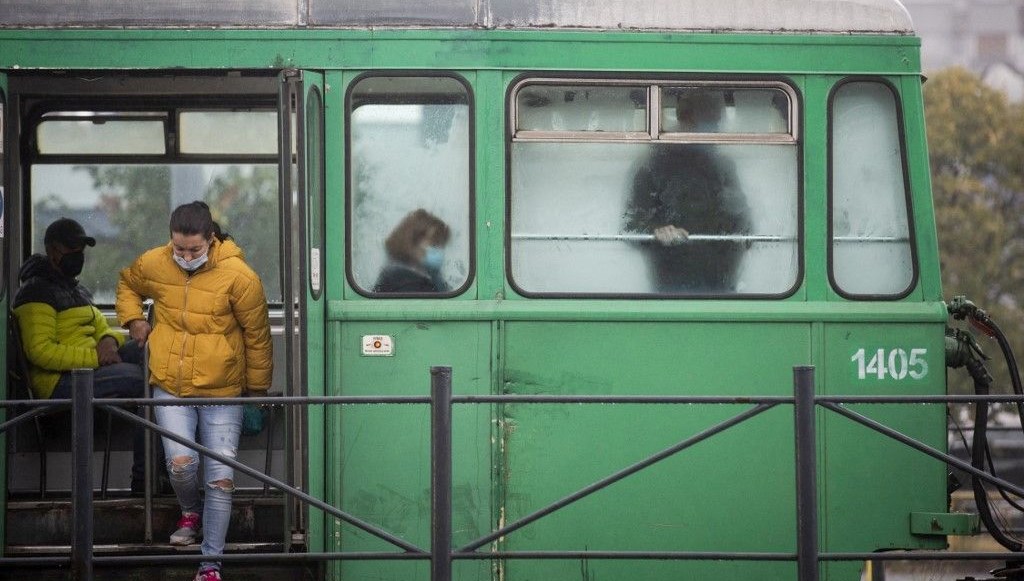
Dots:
{"x": 985, "y": 36}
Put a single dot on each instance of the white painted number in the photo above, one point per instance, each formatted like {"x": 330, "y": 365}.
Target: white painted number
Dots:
{"x": 894, "y": 363}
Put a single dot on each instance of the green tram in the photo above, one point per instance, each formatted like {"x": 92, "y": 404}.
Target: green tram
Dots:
{"x": 554, "y": 141}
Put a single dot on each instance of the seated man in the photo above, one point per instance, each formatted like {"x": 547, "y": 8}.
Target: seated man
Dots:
{"x": 61, "y": 330}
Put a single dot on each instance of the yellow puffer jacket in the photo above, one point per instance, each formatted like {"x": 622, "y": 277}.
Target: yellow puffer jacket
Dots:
{"x": 211, "y": 333}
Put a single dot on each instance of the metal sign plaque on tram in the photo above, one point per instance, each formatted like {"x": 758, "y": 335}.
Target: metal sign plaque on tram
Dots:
{"x": 378, "y": 346}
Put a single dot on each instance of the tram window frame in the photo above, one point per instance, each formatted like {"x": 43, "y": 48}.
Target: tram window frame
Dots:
{"x": 352, "y": 103}
{"x": 898, "y": 113}
{"x": 166, "y": 109}
{"x": 790, "y": 136}
{"x": 100, "y": 118}
{"x": 180, "y": 142}
{"x": 316, "y": 177}
{"x": 5, "y": 211}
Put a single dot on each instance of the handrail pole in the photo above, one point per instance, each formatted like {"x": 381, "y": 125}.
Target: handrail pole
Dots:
{"x": 806, "y": 474}
{"x": 81, "y": 477}
{"x": 147, "y": 439}
{"x": 441, "y": 474}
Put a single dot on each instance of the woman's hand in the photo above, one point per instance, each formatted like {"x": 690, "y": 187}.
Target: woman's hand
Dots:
{"x": 139, "y": 330}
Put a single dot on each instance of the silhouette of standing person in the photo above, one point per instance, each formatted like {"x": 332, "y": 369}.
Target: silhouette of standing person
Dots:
{"x": 684, "y": 189}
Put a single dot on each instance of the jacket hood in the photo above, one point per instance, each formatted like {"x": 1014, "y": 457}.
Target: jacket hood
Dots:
{"x": 37, "y": 265}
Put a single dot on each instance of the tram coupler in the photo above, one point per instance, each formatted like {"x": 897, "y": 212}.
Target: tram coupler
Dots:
{"x": 962, "y": 349}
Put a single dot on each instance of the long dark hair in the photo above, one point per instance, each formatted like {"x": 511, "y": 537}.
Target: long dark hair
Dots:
{"x": 195, "y": 218}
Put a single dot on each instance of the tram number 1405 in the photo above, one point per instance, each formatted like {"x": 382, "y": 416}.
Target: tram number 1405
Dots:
{"x": 894, "y": 363}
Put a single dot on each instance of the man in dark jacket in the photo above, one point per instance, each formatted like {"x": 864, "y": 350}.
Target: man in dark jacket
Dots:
{"x": 689, "y": 188}
{"x": 62, "y": 330}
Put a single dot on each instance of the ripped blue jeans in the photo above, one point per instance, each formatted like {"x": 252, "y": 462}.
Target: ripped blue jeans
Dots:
{"x": 219, "y": 427}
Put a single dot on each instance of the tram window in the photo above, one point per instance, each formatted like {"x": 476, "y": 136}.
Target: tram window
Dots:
{"x": 576, "y": 108}
{"x": 126, "y": 208}
{"x": 588, "y": 215}
{"x": 109, "y": 134}
{"x": 871, "y": 253}
{"x": 228, "y": 132}
{"x": 750, "y": 111}
{"x": 409, "y": 148}
{"x": 125, "y": 201}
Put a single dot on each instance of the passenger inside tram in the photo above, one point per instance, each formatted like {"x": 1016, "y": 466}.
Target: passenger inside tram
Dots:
{"x": 684, "y": 189}
{"x": 415, "y": 250}
{"x": 61, "y": 330}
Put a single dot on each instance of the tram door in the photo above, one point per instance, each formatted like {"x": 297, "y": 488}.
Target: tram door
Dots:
{"x": 4, "y": 295}
{"x": 301, "y": 123}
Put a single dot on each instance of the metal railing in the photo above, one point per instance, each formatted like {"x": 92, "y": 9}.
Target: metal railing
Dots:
{"x": 808, "y": 557}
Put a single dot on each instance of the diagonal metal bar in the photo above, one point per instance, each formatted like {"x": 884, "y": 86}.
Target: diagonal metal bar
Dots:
{"x": 718, "y": 428}
{"x": 23, "y": 417}
{"x": 294, "y": 492}
{"x": 921, "y": 447}
{"x": 628, "y": 555}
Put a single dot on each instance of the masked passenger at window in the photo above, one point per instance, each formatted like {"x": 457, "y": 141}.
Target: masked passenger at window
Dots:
{"x": 691, "y": 189}
{"x": 415, "y": 251}
{"x": 210, "y": 339}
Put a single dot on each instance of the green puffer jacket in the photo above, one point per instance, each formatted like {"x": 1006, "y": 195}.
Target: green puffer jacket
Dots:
{"x": 59, "y": 325}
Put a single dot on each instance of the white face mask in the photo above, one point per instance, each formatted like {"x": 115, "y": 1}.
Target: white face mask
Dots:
{"x": 190, "y": 265}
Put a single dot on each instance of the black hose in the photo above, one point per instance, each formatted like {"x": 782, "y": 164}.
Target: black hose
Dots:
{"x": 1011, "y": 362}
{"x": 982, "y": 382}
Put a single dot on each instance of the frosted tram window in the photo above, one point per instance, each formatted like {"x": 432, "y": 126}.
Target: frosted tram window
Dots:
{"x": 871, "y": 253}
{"x": 587, "y": 213}
{"x": 750, "y": 111}
{"x": 101, "y": 134}
{"x": 228, "y": 132}
{"x": 410, "y": 170}
{"x": 601, "y": 109}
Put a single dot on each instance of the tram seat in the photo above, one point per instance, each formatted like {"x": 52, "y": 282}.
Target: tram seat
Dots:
{"x": 18, "y": 382}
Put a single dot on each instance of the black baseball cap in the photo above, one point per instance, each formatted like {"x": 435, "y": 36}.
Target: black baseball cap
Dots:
{"x": 69, "y": 233}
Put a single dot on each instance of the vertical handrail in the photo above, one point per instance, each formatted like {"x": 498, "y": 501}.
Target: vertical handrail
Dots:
{"x": 81, "y": 477}
{"x": 147, "y": 437}
{"x": 441, "y": 474}
{"x": 806, "y": 474}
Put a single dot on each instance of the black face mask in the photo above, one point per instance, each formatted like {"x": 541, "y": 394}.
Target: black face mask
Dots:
{"x": 71, "y": 264}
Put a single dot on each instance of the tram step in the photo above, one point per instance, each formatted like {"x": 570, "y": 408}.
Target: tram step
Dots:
{"x": 254, "y": 519}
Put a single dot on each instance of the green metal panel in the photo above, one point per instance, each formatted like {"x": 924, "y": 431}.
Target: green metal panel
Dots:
{"x": 944, "y": 523}
{"x": 733, "y": 492}
{"x": 314, "y": 324}
{"x": 882, "y": 359}
{"x": 382, "y": 458}
{"x": 459, "y": 49}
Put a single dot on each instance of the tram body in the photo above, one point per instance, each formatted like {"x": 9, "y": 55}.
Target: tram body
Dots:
{"x": 522, "y": 126}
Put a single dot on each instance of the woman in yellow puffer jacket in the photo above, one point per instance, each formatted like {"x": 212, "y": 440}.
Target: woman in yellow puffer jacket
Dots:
{"x": 210, "y": 338}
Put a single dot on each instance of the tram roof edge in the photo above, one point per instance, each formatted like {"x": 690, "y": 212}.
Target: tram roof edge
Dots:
{"x": 764, "y": 16}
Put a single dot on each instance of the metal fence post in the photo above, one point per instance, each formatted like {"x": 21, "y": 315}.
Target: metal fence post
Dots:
{"x": 441, "y": 473}
{"x": 81, "y": 477}
{"x": 806, "y": 474}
